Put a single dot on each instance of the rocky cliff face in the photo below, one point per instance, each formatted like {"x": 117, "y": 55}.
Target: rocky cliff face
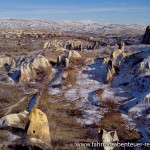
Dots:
{"x": 38, "y": 67}
{"x": 146, "y": 38}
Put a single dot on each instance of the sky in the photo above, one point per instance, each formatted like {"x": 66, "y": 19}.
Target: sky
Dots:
{"x": 110, "y": 11}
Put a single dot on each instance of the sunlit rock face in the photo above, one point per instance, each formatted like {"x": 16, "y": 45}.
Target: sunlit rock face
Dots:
{"x": 113, "y": 62}
{"x": 32, "y": 70}
{"x": 108, "y": 137}
{"x": 38, "y": 127}
{"x": 73, "y": 44}
{"x": 15, "y": 120}
{"x": 63, "y": 45}
{"x": 73, "y": 55}
{"x": 63, "y": 60}
{"x": 146, "y": 38}
{"x": 6, "y": 61}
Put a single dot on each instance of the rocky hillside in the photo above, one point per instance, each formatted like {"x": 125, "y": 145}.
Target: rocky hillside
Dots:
{"x": 65, "y": 92}
{"x": 146, "y": 38}
{"x": 86, "y": 26}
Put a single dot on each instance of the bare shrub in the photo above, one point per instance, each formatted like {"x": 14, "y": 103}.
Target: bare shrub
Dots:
{"x": 70, "y": 67}
{"x": 71, "y": 77}
{"x": 113, "y": 120}
{"x": 110, "y": 104}
{"x": 80, "y": 62}
{"x": 99, "y": 93}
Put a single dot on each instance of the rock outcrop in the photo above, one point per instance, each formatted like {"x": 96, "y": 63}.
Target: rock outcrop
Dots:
{"x": 6, "y": 61}
{"x": 108, "y": 137}
{"x": 113, "y": 62}
{"x": 63, "y": 60}
{"x": 21, "y": 60}
{"x": 15, "y": 120}
{"x": 60, "y": 49}
{"x": 63, "y": 45}
{"x": 14, "y": 75}
{"x": 73, "y": 44}
{"x": 110, "y": 72}
{"x": 38, "y": 126}
{"x": 27, "y": 73}
{"x": 36, "y": 68}
{"x": 146, "y": 38}
{"x": 73, "y": 55}
{"x": 145, "y": 64}
{"x": 105, "y": 60}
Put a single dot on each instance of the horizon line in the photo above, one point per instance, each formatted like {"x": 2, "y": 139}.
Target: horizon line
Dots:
{"x": 71, "y": 20}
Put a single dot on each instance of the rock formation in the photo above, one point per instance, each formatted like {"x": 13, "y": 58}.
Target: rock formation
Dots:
{"x": 66, "y": 62}
{"x": 46, "y": 45}
{"x": 61, "y": 60}
{"x": 145, "y": 64}
{"x": 105, "y": 60}
{"x": 63, "y": 45}
{"x": 15, "y": 120}
{"x": 108, "y": 137}
{"x": 73, "y": 55}
{"x": 64, "y": 59}
{"x": 34, "y": 69}
{"x": 60, "y": 49}
{"x": 14, "y": 75}
{"x": 146, "y": 38}
{"x": 118, "y": 54}
{"x": 74, "y": 44}
{"x": 89, "y": 61}
{"x": 38, "y": 126}
{"x": 40, "y": 62}
{"x": 6, "y": 61}
{"x": 27, "y": 73}
{"x": 21, "y": 60}
{"x": 113, "y": 62}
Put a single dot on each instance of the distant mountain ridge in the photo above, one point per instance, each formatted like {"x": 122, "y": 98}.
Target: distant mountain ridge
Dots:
{"x": 85, "y": 26}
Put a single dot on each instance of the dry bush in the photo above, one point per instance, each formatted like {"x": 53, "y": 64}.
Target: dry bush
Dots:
{"x": 113, "y": 120}
{"x": 27, "y": 145}
{"x": 99, "y": 93}
{"x": 80, "y": 62}
{"x": 71, "y": 112}
{"x": 53, "y": 55}
{"x": 75, "y": 65}
{"x": 64, "y": 128}
{"x": 70, "y": 67}
{"x": 9, "y": 95}
{"x": 91, "y": 54}
{"x": 71, "y": 77}
{"x": 31, "y": 85}
{"x": 110, "y": 104}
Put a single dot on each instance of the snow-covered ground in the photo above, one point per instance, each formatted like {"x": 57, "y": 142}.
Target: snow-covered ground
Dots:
{"x": 130, "y": 84}
{"x": 135, "y": 82}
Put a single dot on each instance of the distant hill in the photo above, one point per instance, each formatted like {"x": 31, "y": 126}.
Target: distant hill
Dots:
{"x": 85, "y": 26}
